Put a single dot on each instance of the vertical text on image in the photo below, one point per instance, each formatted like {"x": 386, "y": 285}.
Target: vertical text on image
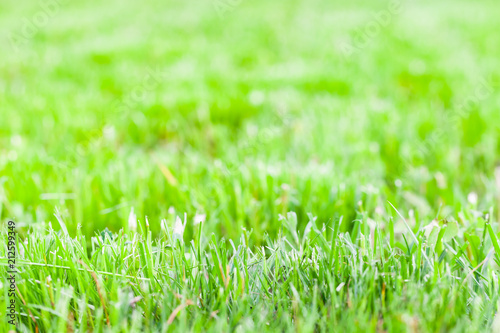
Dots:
{"x": 11, "y": 272}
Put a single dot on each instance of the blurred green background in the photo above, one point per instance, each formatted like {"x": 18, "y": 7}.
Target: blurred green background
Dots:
{"x": 244, "y": 110}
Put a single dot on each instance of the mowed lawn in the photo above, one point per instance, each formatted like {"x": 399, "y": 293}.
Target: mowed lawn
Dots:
{"x": 251, "y": 165}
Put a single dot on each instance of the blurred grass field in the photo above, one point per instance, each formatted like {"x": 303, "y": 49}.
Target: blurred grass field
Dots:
{"x": 243, "y": 111}
{"x": 312, "y": 107}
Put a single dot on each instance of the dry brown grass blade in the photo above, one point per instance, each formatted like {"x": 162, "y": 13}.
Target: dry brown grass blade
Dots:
{"x": 99, "y": 290}
{"x": 177, "y": 310}
{"x": 29, "y": 312}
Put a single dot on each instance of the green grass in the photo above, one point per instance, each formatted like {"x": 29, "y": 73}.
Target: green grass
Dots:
{"x": 318, "y": 279}
{"x": 248, "y": 112}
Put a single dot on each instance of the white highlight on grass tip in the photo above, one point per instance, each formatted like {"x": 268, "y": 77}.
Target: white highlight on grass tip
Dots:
{"x": 163, "y": 225}
{"x": 132, "y": 220}
{"x": 179, "y": 227}
{"x": 199, "y": 218}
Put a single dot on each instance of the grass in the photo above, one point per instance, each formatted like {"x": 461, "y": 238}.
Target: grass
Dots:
{"x": 365, "y": 280}
{"x": 274, "y": 121}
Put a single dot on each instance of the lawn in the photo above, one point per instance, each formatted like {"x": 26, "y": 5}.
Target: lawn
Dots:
{"x": 235, "y": 166}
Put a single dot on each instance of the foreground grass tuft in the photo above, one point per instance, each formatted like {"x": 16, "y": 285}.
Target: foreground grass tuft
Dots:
{"x": 442, "y": 276}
